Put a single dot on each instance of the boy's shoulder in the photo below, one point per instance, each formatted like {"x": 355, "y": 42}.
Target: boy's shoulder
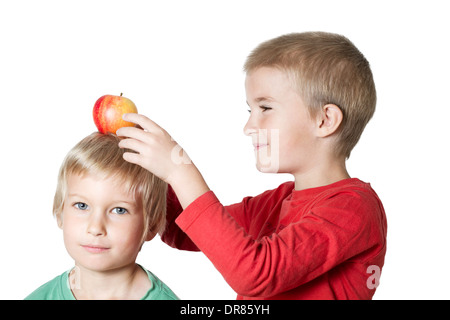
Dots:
{"x": 159, "y": 290}
{"x": 350, "y": 200}
{"x": 350, "y": 193}
{"x": 55, "y": 289}
{"x": 351, "y": 188}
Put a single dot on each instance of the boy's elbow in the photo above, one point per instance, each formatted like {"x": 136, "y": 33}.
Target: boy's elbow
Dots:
{"x": 248, "y": 286}
{"x": 258, "y": 277}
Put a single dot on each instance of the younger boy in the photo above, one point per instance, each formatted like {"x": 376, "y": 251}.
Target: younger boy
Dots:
{"x": 322, "y": 236}
{"x": 106, "y": 208}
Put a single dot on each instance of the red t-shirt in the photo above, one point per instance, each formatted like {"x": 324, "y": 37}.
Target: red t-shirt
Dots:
{"x": 321, "y": 243}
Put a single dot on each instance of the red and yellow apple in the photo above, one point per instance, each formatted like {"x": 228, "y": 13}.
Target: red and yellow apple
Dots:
{"x": 108, "y": 111}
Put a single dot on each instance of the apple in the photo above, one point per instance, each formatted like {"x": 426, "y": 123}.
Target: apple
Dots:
{"x": 108, "y": 111}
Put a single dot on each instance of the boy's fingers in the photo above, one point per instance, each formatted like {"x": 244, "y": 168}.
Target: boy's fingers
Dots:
{"x": 141, "y": 120}
{"x": 132, "y": 157}
{"x": 132, "y": 144}
{"x": 131, "y": 132}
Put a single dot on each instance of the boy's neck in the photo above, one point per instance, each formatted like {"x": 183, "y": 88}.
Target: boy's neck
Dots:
{"x": 129, "y": 282}
{"x": 322, "y": 174}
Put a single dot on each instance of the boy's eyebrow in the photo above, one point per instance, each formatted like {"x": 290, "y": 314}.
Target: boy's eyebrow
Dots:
{"x": 263, "y": 99}
{"x": 75, "y": 195}
{"x": 127, "y": 202}
{"x": 131, "y": 203}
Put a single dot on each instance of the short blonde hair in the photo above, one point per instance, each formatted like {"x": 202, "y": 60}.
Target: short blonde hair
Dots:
{"x": 326, "y": 68}
{"x": 100, "y": 154}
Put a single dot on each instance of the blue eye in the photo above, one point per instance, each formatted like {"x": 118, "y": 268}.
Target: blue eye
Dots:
{"x": 81, "y": 206}
{"x": 120, "y": 210}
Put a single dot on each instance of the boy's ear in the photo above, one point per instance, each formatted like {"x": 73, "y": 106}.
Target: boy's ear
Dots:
{"x": 329, "y": 120}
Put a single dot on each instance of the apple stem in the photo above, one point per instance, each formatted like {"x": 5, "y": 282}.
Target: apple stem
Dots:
{"x": 121, "y": 94}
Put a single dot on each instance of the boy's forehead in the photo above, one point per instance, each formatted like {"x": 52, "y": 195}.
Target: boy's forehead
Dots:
{"x": 87, "y": 182}
{"x": 267, "y": 74}
{"x": 264, "y": 83}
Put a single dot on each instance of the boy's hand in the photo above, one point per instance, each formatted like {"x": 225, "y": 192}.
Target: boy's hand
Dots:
{"x": 160, "y": 154}
{"x": 153, "y": 145}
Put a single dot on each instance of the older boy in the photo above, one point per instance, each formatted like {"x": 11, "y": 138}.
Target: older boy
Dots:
{"x": 322, "y": 236}
{"x": 106, "y": 208}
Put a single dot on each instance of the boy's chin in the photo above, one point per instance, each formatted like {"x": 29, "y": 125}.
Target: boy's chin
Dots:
{"x": 267, "y": 162}
{"x": 267, "y": 168}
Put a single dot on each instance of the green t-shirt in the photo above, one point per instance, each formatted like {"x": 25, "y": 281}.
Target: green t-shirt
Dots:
{"x": 59, "y": 289}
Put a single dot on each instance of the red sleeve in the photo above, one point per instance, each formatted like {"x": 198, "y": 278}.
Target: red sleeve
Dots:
{"x": 177, "y": 238}
{"x": 330, "y": 233}
{"x": 173, "y": 235}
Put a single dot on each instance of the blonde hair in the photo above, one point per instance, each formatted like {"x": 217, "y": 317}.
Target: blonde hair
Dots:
{"x": 325, "y": 68}
{"x": 100, "y": 154}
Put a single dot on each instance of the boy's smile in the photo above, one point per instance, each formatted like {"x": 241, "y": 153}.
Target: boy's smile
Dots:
{"x": 95, "y": 248}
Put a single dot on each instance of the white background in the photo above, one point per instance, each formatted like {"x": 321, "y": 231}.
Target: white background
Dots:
{"x": 181, "y": 63}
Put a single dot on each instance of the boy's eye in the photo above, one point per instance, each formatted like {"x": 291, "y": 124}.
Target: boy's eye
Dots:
{"x": 120, "y": 210}
{"x": 264, "y": 108}
{"x": 81, "y": 206}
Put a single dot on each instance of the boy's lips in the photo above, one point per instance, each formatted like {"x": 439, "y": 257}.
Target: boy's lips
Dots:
{"x": 94, "y": 248}
{"x": 259, "y": 146}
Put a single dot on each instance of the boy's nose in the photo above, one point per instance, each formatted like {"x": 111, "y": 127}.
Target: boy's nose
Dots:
{"x": 250, "y": 127}
{"x": 96, "y": 225}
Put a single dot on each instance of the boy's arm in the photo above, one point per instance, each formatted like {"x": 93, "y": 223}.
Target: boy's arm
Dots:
{"x": 173, "y": 235}
{"x": 177, "y": 238}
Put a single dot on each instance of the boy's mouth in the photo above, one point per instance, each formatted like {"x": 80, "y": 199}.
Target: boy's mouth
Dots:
{"x": 95, "y": 248}
{"x": 260, "y": 145}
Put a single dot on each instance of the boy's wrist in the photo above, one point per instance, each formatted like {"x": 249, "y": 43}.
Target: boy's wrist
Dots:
{"x": 188, "y": 183}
